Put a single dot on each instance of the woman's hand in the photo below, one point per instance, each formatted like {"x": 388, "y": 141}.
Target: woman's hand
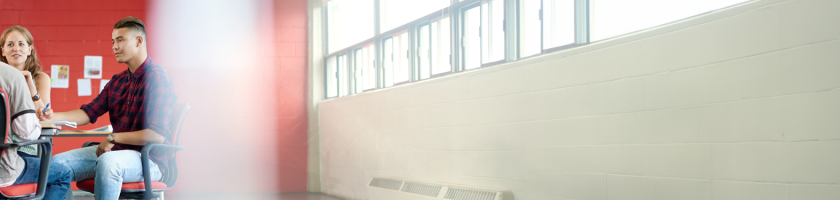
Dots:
{"x": 27, "y": 75}
{"x": 42, "y": 115}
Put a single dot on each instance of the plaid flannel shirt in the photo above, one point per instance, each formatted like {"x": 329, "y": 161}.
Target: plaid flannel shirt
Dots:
{"x": 142, "y": 100}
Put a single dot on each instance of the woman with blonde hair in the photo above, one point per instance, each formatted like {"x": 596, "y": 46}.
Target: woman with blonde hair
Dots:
{"x": 17, "y": 50}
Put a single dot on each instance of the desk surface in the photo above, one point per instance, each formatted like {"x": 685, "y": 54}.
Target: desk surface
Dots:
{"x": 58, "y": 133}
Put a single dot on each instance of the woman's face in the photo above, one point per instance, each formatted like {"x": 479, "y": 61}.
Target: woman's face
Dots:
{"x": 16, "y": 49}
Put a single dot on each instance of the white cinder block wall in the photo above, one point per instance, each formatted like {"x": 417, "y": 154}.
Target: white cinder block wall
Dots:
{"x": 741, "y": 103}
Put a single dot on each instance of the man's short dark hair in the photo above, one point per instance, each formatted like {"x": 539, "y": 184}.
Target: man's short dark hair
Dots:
{"x": 133, "y": 24}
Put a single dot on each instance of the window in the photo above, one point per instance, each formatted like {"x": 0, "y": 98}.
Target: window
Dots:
{"x": 395, "y": 59}
{"x": 348, "y": 22}
{"x": 330, "y": 77}
{"x": 441, "y": 48}
{"x": 411, "y": 40}
{"x": 433, "y": 47}
{"x": 370, "y": 67}
{"x": 388, "y": 62}
{"x": 343, "y": 76}
{"x": 530, "y": 27}
{"x": 471, "y": 38}
{"x": 364, "y": 71}
{"x": 423, "y": 52}
{"x": 492, "y": 31}
{"x": 402, "y": 65}
{"x": 558, "y": 23}
{"x": 395, "y": 13}
{"x": 358, "y": 71}
{"x": 611, "y": 18}
{"x": 545, "y": 25}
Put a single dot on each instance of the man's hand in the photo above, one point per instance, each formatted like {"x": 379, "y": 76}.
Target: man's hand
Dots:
{"x": 44, "y": 116}
{"x": 104, "y": 146}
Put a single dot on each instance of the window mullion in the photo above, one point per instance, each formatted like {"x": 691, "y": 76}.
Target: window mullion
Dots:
{"x": 410, "y": 53}
{"x": 581, "y": 21}
{"x": 511, "y": 30}
{"x": 377, "y": 64}
{"x": 376, "y": 14}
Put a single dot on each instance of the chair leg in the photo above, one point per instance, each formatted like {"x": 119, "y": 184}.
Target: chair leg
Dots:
{"x": 161, "y": 196}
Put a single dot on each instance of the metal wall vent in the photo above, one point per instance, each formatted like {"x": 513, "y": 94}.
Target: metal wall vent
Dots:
{"x": 396, "y": 189}
{"x": 386, "y": 183}
{"x": 421, "y": 189}
{"x": 469, "y": 194}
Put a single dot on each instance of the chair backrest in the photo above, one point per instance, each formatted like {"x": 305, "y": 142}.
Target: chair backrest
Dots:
{"x": 4, "y": 117}
{"x": 4, "y": 113}
{"x": 179, "y": 113}
{"x": 176, "y": 120}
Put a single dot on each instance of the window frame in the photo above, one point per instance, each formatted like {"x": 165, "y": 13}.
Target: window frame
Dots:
{"x": 418, "y": 61}
{"x": 409, "y": 56}
{"x": 505, "y": 19}
{"x": 454, "y": 13}
{"x": 354, "y": 69}
{"x": 459, "y": 37}
{"x": 382, "y": 57}
{"x": 339, "y": 68}
{"x": 452, "y": 56}
{"x": 325, "y": 26}
{"x": 581, "y": 28}
{"x": 327, "y": 80}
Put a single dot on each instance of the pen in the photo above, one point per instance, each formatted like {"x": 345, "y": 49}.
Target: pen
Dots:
{"x": 45, "y": 109}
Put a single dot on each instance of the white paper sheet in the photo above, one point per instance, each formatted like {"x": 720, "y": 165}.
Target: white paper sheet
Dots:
{"x": 60, "y": 76}
{"x": 102, "y": 84}
{"x": 84, "y": 87}
{"x": 93, "y": 66}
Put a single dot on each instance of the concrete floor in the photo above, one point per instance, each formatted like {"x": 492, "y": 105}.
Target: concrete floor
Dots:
{"x": 284, "y": 196}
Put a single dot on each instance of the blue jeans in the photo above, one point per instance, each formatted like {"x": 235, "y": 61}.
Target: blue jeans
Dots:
{"x": 109, "y": 170}
{"x": 58, "y": 179}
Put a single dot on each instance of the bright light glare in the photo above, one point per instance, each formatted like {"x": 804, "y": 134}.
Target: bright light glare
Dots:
{"x": 609, "y": 18}
{"x": 395, "y": 13}
{"x": 348, "y": 22}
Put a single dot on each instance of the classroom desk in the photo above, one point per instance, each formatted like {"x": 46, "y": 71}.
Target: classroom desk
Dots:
{"x": 58, "y": 133}
{"x": 48, "y": 132}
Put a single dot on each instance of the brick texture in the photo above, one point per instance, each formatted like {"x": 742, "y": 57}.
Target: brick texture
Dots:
{"x": 66, "y": 31}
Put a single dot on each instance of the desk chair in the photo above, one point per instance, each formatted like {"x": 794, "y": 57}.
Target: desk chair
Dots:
{"x": 137, "y": 190}
{"x": 27, "y": 190}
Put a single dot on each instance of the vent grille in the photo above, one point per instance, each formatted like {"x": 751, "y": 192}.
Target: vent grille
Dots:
{"x": 422, "y": 189}
{"x": 469, "y": 194}
{"x": 386, "y": 183}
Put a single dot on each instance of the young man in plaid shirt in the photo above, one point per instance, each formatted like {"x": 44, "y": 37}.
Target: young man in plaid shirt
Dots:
{"x": 139, "y": 101}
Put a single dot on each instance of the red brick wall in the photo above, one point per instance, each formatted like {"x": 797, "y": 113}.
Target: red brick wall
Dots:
{"x": 268, "y": 153}
{"x": 64, "y": 33}
{"x": 246, "y": 81}
{"x": 291, "y": 32}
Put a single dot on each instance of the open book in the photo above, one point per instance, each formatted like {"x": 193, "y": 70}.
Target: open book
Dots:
{"x": 54, "y": 124}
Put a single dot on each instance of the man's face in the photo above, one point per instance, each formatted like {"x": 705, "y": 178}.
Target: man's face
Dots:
{"x": 125, "y": 44}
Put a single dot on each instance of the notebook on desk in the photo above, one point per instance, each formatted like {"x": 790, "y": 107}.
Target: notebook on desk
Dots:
{"x": 58, "y": 123}
{"x": 49, "y": 126}
{"x": 107, "y": 128}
